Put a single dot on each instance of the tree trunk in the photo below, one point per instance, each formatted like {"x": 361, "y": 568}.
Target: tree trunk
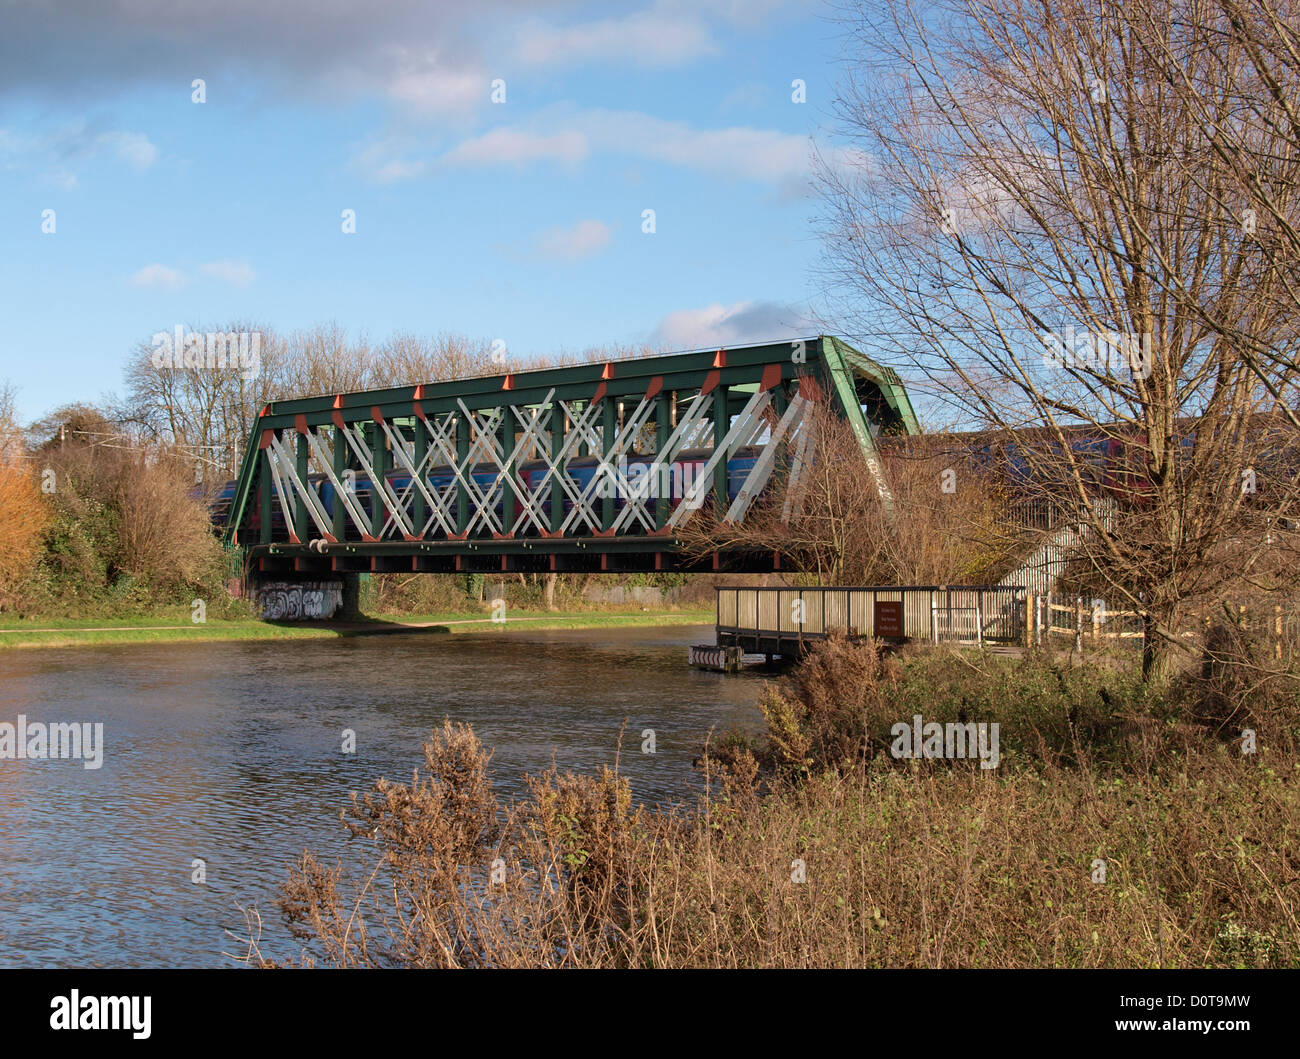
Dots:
{"x": 550, "y": 591}
{"x": 1157, "y": 651}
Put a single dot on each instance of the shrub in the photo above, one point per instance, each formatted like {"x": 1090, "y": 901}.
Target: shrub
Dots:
{"x": 24, "y": 517}
{"x": 1239, "y": 685}
{"x": 892, "y": 867}
{"x": 164, "y": 535}
{"x": 829, "y": 712}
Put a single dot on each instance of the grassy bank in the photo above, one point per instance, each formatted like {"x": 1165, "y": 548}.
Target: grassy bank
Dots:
{"x": 168, "y": 627}
{"x": 1122, "y": 827}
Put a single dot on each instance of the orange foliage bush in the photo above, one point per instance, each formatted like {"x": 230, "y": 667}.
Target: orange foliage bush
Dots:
{"x": 23, "y": 519}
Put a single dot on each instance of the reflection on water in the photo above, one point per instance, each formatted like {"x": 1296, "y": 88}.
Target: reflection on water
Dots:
{"x": 231, "y": 753}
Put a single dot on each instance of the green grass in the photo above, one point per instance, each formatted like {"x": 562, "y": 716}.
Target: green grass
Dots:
{"x": 169, "y": 628}
{"x": 69, "y": 633}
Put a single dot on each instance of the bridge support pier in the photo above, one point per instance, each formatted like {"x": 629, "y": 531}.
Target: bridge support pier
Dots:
{"x": 351, "y": 608}
{"x": 280, "y": 597}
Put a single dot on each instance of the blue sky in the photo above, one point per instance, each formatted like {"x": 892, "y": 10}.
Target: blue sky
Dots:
{"x": 519, "y": 220}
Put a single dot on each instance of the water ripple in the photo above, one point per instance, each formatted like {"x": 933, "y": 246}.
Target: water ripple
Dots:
{"x": 231, "y": 754}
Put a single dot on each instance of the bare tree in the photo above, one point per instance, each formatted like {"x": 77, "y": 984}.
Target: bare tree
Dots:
{"x": 407, "y": 358}
{"x": 201, "y": 409}
{"x": 1035, "y": 221}
{"x": 1244, "y": 94}
{"x": 948, "y": 524}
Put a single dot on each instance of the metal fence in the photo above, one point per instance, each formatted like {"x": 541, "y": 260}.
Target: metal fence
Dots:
{"x": 957, "y": 613}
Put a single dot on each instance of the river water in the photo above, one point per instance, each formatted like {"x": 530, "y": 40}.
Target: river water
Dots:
{"x": 232, "y": 753}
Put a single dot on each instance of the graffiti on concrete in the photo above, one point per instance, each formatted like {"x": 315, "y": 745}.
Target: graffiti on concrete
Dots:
{"x": 299, "y": 600}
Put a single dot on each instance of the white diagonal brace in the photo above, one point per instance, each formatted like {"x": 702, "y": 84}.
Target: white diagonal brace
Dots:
{"x": 378, "y": 485}
{"x": 482, "y": 444}
{"x": 582, "y": 432}
{"x": 398, "y": 445}
{"x": 763, "y": 466}
{"x": 534, "y": 423}
{"x": 690, "y": 427}
{"x": 607, "y": 467}
{"x": 633, "y": 506}
{"x": 744, "y": 425}
{"x": 274, "y": 463}
{"x": 802, "y": 456}
{"x": 343, "y": 492}
{"x": 304, "y": 490}
{"x": 442, "y": 438}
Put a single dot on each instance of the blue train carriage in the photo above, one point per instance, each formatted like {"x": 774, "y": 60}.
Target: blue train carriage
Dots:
{"x": 532, "y": 478}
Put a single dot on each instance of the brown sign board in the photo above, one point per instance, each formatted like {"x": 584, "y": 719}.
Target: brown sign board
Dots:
{"x": 889, "y": 619}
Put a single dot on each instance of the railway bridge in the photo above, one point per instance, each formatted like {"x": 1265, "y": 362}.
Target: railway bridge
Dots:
{"x": 596, "y": 467}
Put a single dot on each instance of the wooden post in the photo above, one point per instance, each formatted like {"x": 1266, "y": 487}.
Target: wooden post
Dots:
{"x": 1031, "y": 603}
{"x": 1078, "y": 624}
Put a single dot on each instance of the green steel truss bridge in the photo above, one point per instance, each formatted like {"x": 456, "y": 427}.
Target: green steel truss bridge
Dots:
{"x": 596, "y": 467}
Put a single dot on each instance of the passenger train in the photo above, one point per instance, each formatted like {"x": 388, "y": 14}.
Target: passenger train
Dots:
{"x": 532, "y": 480}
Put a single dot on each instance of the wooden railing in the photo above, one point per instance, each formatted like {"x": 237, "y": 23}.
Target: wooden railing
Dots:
{"x": 961, "y": 613}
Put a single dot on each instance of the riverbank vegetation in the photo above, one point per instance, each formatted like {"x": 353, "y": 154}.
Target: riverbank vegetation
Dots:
{"x": 103, "y": 507}
{"x": 94, "y": 529}
{"x": 180, "y": 629}
{"x": 1123, "y": 827}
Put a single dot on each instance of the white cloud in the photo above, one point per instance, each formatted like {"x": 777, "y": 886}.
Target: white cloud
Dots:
{"x": 236, "y": 273}
{"x": 399, "y": 170}
{"x": 738, "y": 151}
{"x": 655, "y": 37}
{"x": 386, "y": 160}
{"x": 571, "y": 244}
{"x": 158, "y": 276}
{"x": 506, "y": 146}
{"x": 133, "y": 148}
{"x": 731, "y": 325}
{"x": 58, "y": 150}
{"x": 741, "y": 151}
{"x": 428, "y": 55}
{"x": 425, "y": 83}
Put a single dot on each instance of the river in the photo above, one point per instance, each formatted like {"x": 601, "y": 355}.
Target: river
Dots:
{"x": 231, "y": 753}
